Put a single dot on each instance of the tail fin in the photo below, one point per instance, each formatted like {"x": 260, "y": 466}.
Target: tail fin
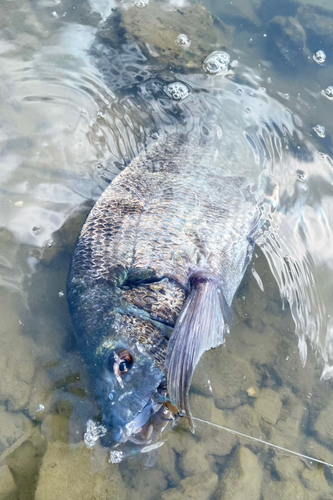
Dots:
{"x": 201, "y": 325}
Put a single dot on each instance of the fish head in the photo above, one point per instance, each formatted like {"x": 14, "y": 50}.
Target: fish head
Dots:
{"x": 129, "y": 390}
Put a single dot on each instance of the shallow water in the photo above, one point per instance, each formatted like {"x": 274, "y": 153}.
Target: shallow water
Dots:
{"x": 82, "y": 94}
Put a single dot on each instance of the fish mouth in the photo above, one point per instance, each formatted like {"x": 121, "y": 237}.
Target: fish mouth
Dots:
{"x": 142, "y": 434}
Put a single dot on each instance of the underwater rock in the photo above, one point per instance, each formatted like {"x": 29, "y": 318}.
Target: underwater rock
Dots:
{"x": 312, "y": 448}
{"x": 322, "y": 4}
{"x": 323, "y": 425}
{"x": 282, "y": 490}
{"x": 286, "y": 42}
{"x": 56, "y": 428}
{"x": 237, "y": 11}
{"x": 315, "y": 481}
{"x": 71, "y": 474}
{"x": 243, "y": 419}
{"x": 148, "y": 486}
{"x": 18, "y": 365}
{"x": 167, "y": 461}
{"x": 288, "y": 466}
{"x": 317, "y": 24}
{"x": 236, "y": 374}
{"x": 8, "y": 489}
{"x": 25, "y": 462}
{"x": 194, "y": 21}
{"x": 15, "y": 429}
{"x": 17, "y": 358}
{"x": 194, "y": 460}
{"x": 268, "y": 406}
{"x": 40, "y": 400}
{"x": 198, "y": 487}
{"x": 242, "y": 478}
{"x": 202, "y": 406}
{"x": 287, "y": 429}
{"x": 217, "y": 442}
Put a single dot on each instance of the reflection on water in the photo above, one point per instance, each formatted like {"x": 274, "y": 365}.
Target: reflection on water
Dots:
{"x": 82, "y": 92}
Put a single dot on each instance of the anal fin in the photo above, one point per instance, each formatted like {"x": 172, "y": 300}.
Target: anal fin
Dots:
{"x": 202, "y": 324}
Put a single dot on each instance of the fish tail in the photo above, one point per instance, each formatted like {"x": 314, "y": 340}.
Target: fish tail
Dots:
{"x": 202, "y": 324}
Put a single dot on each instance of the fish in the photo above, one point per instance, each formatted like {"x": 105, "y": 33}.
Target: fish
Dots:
{"x": 154, "y": 273}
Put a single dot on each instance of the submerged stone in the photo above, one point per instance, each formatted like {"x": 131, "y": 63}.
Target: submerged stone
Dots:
{"x": 24, "y": 464}
{"x": 159, "y": 42}
{"x": 268, "y": 406}
{"x": 243, "y": 477}
{"x": 17, "y": 358}
{"x": 286, "y": 42}
{"x": 15, "y": 429}
{"x": 323, "y": 425}
{"x": 282, "y": 490}
{"x": 8, "y": 489}
{"x": 70, "y": 474}
{"x": 244, "y": 11}
{"x": 194, "y": 460}
{"x": 197, "y": 487}
{"x": 317, "y": 23}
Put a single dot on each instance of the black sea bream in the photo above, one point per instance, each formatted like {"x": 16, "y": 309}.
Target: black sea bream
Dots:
{"x": 154, "y": 273}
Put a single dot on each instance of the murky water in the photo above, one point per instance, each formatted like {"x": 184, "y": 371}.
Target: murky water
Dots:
{"x": 84, "y": 87}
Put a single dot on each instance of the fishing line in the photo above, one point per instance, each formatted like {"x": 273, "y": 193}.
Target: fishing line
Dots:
{"x": 263, "y": 442}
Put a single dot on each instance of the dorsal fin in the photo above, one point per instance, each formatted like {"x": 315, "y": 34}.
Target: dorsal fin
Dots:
{"x": 202, "y": 324}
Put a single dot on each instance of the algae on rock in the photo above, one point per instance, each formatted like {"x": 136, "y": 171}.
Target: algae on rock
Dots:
{"x": 194, "y": 21}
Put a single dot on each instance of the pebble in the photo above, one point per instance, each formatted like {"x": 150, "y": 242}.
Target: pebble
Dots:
{"x": 15, "y": 429}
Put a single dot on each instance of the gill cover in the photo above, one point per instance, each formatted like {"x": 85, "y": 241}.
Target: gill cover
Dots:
{"x": 202, "y": 324}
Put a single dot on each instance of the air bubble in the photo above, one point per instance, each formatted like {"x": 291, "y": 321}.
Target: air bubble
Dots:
{"x": 93, "y": 433}
{"x": 177, "y": 91}
{"x": 216, "y": 63}
{"x": 141, "y": 3}
{"x": 300, "y": 175}
{"x": 320, "y": 130}
{"x": 183, "y": 41}
{"x": 116, "y": 457}
{"x": 319, "y": 57}
{"x": 61, "y": 294}
{"x": 328, "y": 92}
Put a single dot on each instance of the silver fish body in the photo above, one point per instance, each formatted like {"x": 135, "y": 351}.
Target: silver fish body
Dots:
{"x": 155, "y": 270}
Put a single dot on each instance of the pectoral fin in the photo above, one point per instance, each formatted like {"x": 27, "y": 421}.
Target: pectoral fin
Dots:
{"x": 201, "y": 325}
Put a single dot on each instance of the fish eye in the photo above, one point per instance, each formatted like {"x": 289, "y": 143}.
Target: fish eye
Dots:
{"x": 125, "y": 361}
